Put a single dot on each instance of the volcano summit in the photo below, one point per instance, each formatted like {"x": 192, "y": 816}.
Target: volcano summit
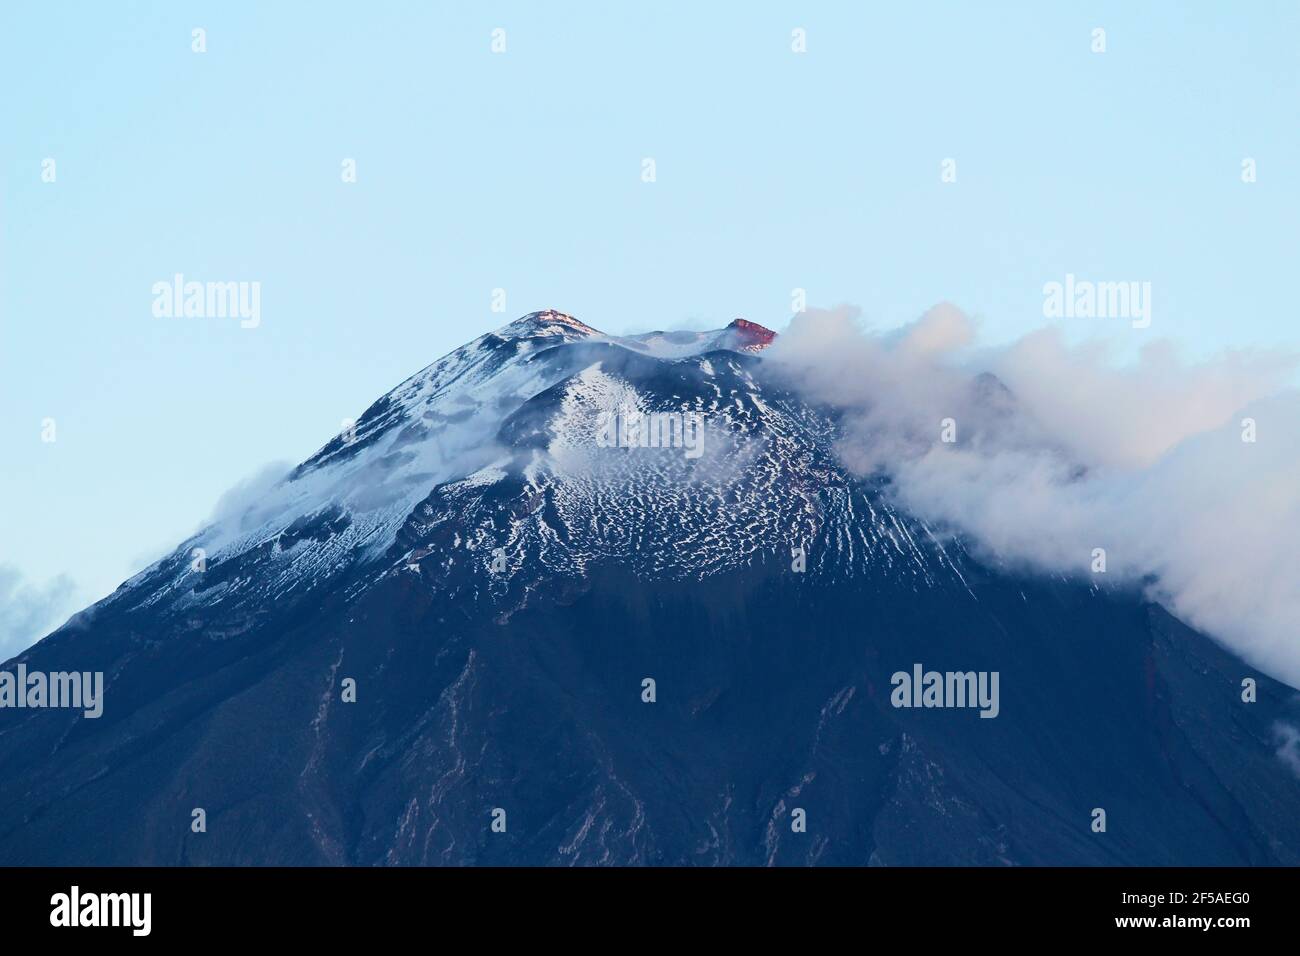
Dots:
{"x": 430, "y": 644}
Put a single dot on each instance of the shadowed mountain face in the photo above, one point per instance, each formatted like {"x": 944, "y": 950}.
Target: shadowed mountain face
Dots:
{"x": 499, "y": 583}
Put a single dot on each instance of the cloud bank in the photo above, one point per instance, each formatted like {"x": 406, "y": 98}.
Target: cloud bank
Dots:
{"x": 30, "y": 611}
{"x": 1059, "y": 450}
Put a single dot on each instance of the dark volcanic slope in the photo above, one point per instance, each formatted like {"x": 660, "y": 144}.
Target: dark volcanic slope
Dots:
{"x": 500, "y": 628}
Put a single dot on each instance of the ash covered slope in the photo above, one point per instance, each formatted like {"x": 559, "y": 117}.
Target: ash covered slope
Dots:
{"x": 498, "y": 585}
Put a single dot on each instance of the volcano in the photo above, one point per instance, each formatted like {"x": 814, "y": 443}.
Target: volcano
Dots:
{"x": 467, "y": 632}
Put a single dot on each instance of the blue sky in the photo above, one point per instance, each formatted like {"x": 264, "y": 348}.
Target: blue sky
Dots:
{"x": 522, "y": 171}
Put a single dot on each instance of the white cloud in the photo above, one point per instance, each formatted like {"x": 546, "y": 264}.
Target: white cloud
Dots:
{"x": 1078, "y": 452}
{"x": 1287, "y": 739}
{"x": 30, "y": 611}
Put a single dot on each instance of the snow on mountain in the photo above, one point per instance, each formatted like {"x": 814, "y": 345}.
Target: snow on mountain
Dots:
{"x": 767, "y": 485}
{"x": 346, "y": 503}
{"x": 740, "y": 335}
{"x": 494, "y": 446}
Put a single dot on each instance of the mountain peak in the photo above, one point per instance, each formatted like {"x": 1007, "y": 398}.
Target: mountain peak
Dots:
{"x": 748, "y": 326}
{"x": 548, "y": 322}
{"x": 746, "y": 336}
{"x": 464, "y": 554}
